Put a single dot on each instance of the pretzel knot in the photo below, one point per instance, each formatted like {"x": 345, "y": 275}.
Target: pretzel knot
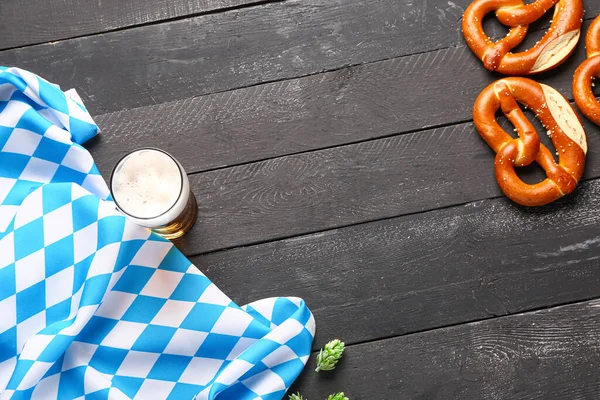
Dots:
{"x": 585, "y": 74}
{"x": 557, "y": 116}
{"x": 553, "y": 49}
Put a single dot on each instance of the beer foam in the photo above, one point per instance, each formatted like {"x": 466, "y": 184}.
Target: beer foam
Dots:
{"x": 147, "y": 184}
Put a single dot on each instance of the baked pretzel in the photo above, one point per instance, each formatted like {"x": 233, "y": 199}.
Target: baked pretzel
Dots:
{"x": 553, "y": 49}
{"x": 585, "y": 74}
{"x": 562, "y": 124}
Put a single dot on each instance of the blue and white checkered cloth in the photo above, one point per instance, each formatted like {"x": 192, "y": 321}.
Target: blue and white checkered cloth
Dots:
{"x": 93, "y": 306}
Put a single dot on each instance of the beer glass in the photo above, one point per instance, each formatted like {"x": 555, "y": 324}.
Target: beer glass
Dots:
{"x": 151, "y": 187}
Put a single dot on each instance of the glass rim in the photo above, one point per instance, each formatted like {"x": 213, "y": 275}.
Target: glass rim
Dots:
{"x": 112, "y": 174}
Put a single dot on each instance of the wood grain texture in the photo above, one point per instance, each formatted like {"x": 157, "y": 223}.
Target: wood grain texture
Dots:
{"x": 329, "y": 160}
{"x": 30, "y": 22}
{"x": 413, "y": 273}
{"x": 330, "y": 109}
{"x": 336, "y": 187}
{"x": 218, "y": 52}
{"x": 547, "y": 355}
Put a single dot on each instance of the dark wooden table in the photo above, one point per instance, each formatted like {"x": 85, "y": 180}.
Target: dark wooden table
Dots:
{"x": 330, "y": 146}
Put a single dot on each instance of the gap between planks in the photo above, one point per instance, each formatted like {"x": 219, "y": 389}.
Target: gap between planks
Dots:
{"x": 217, "y": 77}
{"x": 543, "y": 354}
{"x": 323, "y": 231}
{"x": 149, "y": 23}
{"x": 468, "y": 322}
{"x": 222, "y": 159}
{"x": 456, "y": 254}
{"x": 441, "y": 126}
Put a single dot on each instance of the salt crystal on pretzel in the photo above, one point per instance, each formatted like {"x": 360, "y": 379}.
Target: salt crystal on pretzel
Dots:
{"x": 552, "y": 50}
{"x": 562, "y": 125}
{"x": 585, "y": 74}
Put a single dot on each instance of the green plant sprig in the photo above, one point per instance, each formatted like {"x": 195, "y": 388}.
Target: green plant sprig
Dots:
{"x": 329, "y": 355}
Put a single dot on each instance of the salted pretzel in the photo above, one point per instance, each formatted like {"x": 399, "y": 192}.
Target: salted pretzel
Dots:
{"x": 554, "y": 48}
{"x": 562, "y": 124}
{"x": 585, "y": 74}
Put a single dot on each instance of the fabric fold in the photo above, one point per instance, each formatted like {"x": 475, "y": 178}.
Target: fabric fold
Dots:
{"x": 95, "y": 306}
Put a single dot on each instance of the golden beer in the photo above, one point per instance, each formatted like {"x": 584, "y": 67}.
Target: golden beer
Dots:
{"x": 151, "y": 187}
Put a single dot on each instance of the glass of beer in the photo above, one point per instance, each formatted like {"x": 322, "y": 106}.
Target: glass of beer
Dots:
{"x": 151, "y": 187}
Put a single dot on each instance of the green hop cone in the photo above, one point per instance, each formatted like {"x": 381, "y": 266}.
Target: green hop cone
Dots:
{"x": 338, "y": 396}
{"x": 329, "y": 355}
{"x": 296, "y": 396}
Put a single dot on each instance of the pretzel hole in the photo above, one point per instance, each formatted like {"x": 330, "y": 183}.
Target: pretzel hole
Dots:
{"x": 532, "y": 173}
{"x": 536, "y": 31}
{"x": 493, "y": 28}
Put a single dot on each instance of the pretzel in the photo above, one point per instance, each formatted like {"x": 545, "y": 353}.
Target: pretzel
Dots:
{"x": 557, "y": 116}
{"x": 553, "y": 49}
{"x": 585, "y": 74}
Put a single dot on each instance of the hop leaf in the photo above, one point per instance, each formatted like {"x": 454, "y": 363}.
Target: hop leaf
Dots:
{"x": 338, "y": 396}
{"x": 296, "y": 396}
{"x": 329, "y": 356}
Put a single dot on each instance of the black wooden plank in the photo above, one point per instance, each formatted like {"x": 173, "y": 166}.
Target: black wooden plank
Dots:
{"x": 336, "y": 187}
{"x": 30, "y": 22}
{"x": 545, "y": 355}
{"x": 323, "y": 110}
{"x": 180, "y": 59}
{"x": 217, "y": 52}
{"x": 418, "y": 272}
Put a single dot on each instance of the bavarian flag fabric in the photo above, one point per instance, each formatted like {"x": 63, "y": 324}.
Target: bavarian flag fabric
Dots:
{"x": 93, "y": 306}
